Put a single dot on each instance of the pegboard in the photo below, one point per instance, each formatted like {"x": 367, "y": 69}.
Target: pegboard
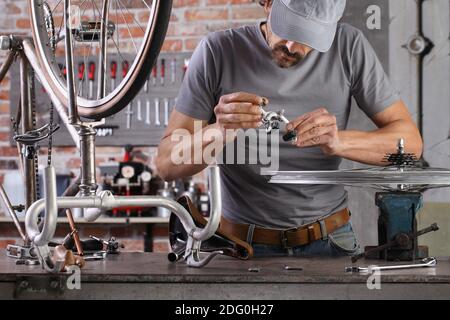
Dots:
{"x": 141, "y": 123}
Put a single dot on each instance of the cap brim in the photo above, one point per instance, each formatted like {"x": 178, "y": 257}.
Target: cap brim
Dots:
{"x": 290, "y": 26}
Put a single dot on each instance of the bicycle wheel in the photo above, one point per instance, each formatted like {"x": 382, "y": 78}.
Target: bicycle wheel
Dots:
{"x": 135, "y": 31}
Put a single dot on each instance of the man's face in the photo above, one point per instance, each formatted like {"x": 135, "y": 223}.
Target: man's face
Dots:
{"x": 285, "y": 53}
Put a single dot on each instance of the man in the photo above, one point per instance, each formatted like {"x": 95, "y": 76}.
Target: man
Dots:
{"x": 304, "y": 60}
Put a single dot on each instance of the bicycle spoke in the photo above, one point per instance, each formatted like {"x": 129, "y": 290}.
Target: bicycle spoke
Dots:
{"x": 132, "y": 15}
{"x": 128, "y": 28}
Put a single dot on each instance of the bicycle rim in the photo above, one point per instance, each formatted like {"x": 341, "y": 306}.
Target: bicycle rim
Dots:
{"x": 138, "y": 29}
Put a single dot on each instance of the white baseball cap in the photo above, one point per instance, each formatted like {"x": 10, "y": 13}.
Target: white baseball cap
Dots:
{"x": 310, "y": 22}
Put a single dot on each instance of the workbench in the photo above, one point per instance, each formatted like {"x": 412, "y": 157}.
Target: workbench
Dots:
{"x": 152, "y": 276}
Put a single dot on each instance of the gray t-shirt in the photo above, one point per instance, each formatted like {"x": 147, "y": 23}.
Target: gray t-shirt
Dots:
{"x": 240, "y": 60}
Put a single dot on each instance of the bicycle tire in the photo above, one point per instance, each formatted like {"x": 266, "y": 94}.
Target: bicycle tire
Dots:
{"x": 118, "y": 99}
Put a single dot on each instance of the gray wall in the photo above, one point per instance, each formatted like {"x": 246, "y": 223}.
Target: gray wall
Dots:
{"x": 401, "y": 25}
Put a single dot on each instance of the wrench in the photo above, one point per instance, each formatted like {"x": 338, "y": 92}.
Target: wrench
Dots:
{"x": 427, "y": 262}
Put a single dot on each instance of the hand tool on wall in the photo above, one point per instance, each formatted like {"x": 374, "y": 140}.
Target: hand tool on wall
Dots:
{"x": 113, "y": 69}
{"x": 129, "y": 111}
{"x": 147, "y": 112}
{"x": 425, "y": 263}
{"x": 91, "y": 78}
{"x": 139, "y": 110}
{"x": 154, "y": 73}
{"x": 63, "y": 70}
{"x": 173, "y": 70}
{"x": 163, "y": 71}
{"x": 125, "y": 67}
{"x": 185, "y": 66}
{"x": 146, "y": 83}
{"x": 166, "y": 112}
{"x": 157, "y": 122}
{"x": 81, "y": 70}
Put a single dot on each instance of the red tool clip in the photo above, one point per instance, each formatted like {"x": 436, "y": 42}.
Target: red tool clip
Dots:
{"x": 154, "y": 71}
{"x": 163, "y": 68}
{"x": 91, "y": 71}
{"x": 124, "y": 68}
{"x": 113, "y": 69}
{"x": 81, "y": 67}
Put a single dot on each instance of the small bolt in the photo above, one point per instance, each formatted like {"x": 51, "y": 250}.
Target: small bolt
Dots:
{"x": 24, "y": 284}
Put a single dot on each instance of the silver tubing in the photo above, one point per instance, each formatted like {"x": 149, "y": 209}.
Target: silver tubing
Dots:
{"x": 106, "y": 200}
{"x": 72, "y": 98}
{"x": 29, "y": 165}
{"x": 216, "y": 205}
{"x": 29, "y": 51}
{"x": 12, "y": 213}
{"x": 51, "y": 214}
{"x": 88, "y": 183}
{"x": 7, "y": 64}
{"x": 101, "y": 93}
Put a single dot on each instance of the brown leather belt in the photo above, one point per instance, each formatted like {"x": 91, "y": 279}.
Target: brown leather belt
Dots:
{"x": 289, "y": 238}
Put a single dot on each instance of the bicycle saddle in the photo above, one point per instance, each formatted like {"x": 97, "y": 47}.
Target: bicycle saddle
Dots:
{"x": 220, "y": 241}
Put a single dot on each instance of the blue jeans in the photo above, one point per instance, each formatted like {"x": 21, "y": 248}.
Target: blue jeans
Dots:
{"x": 342, "y": 242}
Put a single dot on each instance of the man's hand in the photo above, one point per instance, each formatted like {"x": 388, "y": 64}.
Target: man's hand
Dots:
{"x": 239, "y": 111}
{"x": 317, "y": 129}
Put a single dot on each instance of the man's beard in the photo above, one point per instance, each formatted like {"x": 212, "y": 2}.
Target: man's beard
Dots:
{"x": 285, "y": 59}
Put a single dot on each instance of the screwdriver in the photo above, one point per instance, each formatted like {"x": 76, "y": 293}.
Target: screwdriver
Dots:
{"x": 113, "y": 75}
{"x": 163, "y": 70}
{"x": 91, "y": 77}
{"x": 154, "y": 74}
{"x": 81, "y": 70}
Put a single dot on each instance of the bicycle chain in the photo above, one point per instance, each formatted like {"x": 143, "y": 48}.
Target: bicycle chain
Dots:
{"x": 50, "y": 26}
{"x": 50, "y": 138}
{"x": 32, "y": 98}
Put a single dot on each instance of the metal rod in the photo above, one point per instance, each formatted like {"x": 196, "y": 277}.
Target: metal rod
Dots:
{"x": 88, "y": 183}
{"x": 420, "y": 59}
{"x": 7, "y": 64}
{"x": 106, "y": 201}
{"x": 12, "y": 213}
{"x": 74, "y": 232}
{"x": 29, "y": 51}
{"x": 102, "y": 66}
{"x": 29, "y": 165}
{"x": 71, "y": 96}
{"x": 364, "y": 177}
{"x": 51, "y": 209}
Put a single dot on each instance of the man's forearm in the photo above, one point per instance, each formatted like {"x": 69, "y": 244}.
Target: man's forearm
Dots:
{"x": 372, "y": 147}
{"x": 191, "y": 151}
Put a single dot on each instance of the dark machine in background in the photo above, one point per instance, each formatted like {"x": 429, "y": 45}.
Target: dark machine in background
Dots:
{"x": 132, "y": 176}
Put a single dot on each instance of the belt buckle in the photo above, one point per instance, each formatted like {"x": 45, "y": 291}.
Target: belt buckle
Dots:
{"x": 284, "y": 239}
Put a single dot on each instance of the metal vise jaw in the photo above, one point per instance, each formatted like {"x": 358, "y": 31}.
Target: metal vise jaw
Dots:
{"x": 397, "y": 221}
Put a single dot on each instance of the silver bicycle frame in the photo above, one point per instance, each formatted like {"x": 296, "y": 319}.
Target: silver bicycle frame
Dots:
{"x": 84, "y": 139}
{"x": 106, "y": 201}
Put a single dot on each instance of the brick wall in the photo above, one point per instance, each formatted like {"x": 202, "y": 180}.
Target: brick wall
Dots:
{"x": 190, "y": 21}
